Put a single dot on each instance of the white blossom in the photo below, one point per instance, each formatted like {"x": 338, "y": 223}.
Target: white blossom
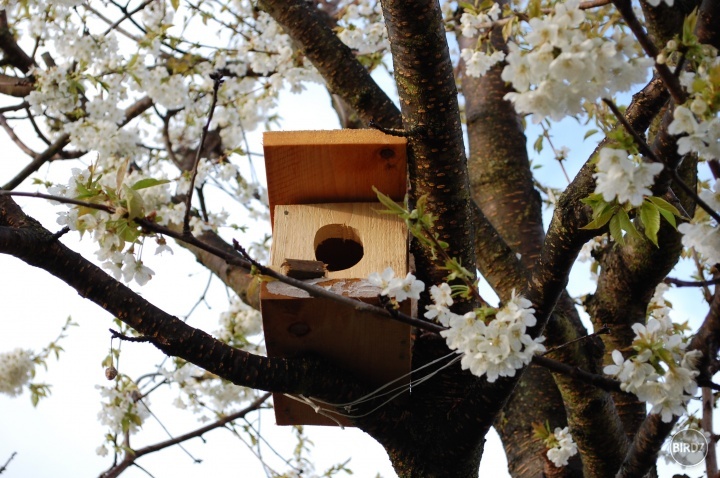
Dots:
{"x": 703, "y": 234}
{"x": 619, "y": 178}
{"x": 661, "y": 372}
{"x": 16, "y": 369}
{"x": 239, "y": 322}
{"x": 565, "y": 65}
{"x": 477, "y": 63}
{"x": 408, "y": 287}
{"x": 499, "y": 348}
{"x": 564, "y": 447}
{"x": 122, "y": 410}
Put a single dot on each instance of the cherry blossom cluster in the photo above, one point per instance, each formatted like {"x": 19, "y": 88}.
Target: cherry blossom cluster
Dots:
{"x": 363, "y": 28}
{"x": 493, "y": 346}
{"x": 478, "y": 62}
{"x": 493, "y": 342}
{"x": 94, "y": 72}
{"x": 123, "y": 408}
{"x": 660, "y": 371}
{"x": 696, "y": 121}
{"x": 397, "y": 288}
{"x": 703, "y": 233}
{"x": 16, "y": 370}
{"x": 204, "y": 394}
{"x": 563, "y": 62}
{"x": 238, "y": 323}
{"x": 627, "y": 180}
{"x": 560, "y": 447}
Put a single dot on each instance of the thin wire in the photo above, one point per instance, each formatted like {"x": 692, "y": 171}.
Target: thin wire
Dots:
{"x": 313, "y": 402}
{"x": 427, "y": 377}
{"x": 375, "y": 394}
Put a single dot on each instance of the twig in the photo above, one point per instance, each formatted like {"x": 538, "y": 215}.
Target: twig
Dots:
{"x": 605, "y": 329}
{"x": 127, "y": 338}
{"x": 63, "y": 140}
{"x": 599, "y": 381}
{"x": 645, "y": 150}
{"x": 317, "y": 291}
{"x": 217, "y": 81}
{"x": 671, "y": 81}
{"x": 60, "y": 233}
{"x": 11, "y": 133}
{"x": 708, "y": 404}
{"x": 688, "y": 283}
{"x": 60, "y": 199}
{"x": 4, "y": 467}
{"x": 126, "y": 15}
{"x": 413, "y": 133}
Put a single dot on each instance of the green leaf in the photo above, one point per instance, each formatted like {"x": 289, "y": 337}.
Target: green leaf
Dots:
{"x": 507, "y": 28}
{"x": 148, "y": 183}
{"x": 175, "y": 4}
{"x": 538, "y": 145}
{"x": 601, "y": 219}
{"x": 134, "y": 203}
{"x": 650, "y": 217}
{"x": 126, "y": 231}
{"x": 627, "y": 224}
{"x": 392, "y": 206}
{"x": 589, "y": 133}
{"x": 669, "y": 218}
{"x": 616, "y": 230}
{"x": 664, "y": 205}
{"x": 689, "y": 24}
{"x": 534, "y": 8}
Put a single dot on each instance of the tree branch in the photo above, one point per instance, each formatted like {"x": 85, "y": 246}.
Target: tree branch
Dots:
{"x": 335, "y": 61}
{"x": 132, "y": 455}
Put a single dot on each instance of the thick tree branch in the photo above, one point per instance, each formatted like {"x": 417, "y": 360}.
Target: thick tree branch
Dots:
{"x": 335, "y": 61}
{"x": 22, "y": 237}
{"x": 13, "y": 54}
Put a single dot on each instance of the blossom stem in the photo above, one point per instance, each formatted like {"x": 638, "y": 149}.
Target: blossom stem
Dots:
{"x": 605, "y": 329}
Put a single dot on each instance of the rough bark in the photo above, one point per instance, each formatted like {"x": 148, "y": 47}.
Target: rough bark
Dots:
{"x": 430, "y": 114}
{"x": 502, "y": 186}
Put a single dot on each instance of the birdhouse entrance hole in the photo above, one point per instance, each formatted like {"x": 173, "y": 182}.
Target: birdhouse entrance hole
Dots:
{"x": 339, "y": 246}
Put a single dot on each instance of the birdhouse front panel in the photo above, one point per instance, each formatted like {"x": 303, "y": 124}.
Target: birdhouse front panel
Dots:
{"x": 324, "y": 209}
{"x": 352, "y": 239}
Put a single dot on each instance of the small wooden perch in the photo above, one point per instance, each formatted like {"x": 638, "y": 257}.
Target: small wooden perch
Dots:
{"x": 303, "y": 270}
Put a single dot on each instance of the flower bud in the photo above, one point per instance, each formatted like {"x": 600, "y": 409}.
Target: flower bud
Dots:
{"x": 110, "y": 373}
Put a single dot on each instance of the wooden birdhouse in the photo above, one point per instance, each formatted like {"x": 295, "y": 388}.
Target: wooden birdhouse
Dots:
{"x": 323, "y": 209}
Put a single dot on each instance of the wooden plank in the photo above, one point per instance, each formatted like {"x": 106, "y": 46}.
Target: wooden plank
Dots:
{"x": 374, "y": 350}
{"x": 309, "y": 167}
{"x": 299, "y": 229}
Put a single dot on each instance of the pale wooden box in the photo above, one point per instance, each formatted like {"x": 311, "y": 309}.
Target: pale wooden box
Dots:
{"x": 334, "y": 171}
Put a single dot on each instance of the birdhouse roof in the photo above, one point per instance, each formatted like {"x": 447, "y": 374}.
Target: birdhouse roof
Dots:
{"x": 312, "y": 167}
